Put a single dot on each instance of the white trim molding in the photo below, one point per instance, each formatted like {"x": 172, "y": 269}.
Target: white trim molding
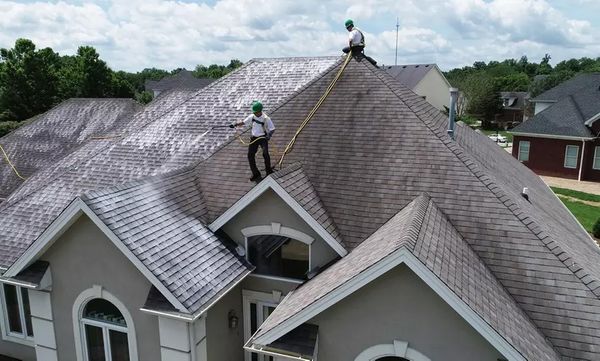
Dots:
{"x": 596, "y": 155}
{"x": 398, "y": 348}
{"x": 591, "y": 121}
{"x": 567, "y": 155}
{"x": 279, "y": 230}
{"x": 550, "y": 136}
{"x": 400, "y": 256}
{"x": 62, "y": 223}
{"x": 77, "y": 314}
{"x": 262, "y": 187}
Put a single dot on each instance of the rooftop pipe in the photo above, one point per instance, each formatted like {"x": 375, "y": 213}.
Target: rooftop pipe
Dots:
{"x": 452, "y": 112}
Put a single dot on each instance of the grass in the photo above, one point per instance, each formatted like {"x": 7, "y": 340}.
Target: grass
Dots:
{"x": 585, "y": 214}
{"x": 576, "y": 194}
{"x": 509, "y": 137}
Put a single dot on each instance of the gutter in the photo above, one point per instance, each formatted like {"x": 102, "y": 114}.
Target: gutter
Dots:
{"x": 11, "y": 281}
{"x": 551, "y": 136}
{"x": 277, "y": 353}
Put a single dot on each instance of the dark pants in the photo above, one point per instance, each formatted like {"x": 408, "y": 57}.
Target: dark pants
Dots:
{"x": 252, "y": 149}
{"x": 356, "y": 50}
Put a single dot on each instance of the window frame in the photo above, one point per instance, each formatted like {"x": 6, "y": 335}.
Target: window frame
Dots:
{"x": 79, "y": 322}
{"x": 106, "y": 328}
{"x": 576, "y": 156}
{"x": 596, "y": 155}
{"x": 7, "y": 334}
{"x": 519, "y": 158}
{"x": 258, "y": 298}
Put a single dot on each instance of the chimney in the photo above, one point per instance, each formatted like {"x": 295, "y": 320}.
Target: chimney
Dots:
{"x": 452, "y": 112}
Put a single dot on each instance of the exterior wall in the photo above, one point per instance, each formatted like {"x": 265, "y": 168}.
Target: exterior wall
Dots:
{"x": 83, "y": 257}
{"x": 18, "y": 351}
{"x": 269, "y": 208}
{"x": 224, "y": 343}
{"x": 541, "y": 106}
{"x": 547, "y": 156}
{"x": 589, "y": 173}
{"x": 398, "y": 306}
{"x": 435, "y": 88}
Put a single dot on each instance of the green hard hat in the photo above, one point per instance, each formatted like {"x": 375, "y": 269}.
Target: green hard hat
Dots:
{"x": 257, "y": 106}
{"x": 349, "y": 22}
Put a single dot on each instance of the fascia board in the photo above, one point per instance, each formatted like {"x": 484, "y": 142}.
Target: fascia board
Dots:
{"x": 401, "y": 256}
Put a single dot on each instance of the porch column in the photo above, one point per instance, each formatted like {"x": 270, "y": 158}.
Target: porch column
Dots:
{"x": 581, "y": 160}
{"x": 174, "y": 339}
{"x": 43, "y": 325}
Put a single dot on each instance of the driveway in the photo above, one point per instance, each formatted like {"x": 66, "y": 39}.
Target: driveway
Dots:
{"x": 587, "y": 187}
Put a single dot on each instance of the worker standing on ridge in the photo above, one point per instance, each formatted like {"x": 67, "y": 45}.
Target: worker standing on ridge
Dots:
{"x": 262, "y": 130}
{"x": 356, "y": 39}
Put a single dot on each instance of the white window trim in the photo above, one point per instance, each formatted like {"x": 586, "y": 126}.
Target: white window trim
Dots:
{"x": 277, "y": 229}
{"x": 268, "y": 299}
{"x": 398, "y": 348}
{"x": 576, "y": 156}
{"x": 528, "y": 150}
{"x": 7, "y": 335}
{"x": 78, "y": 321}
{"x": 594, "y": 160}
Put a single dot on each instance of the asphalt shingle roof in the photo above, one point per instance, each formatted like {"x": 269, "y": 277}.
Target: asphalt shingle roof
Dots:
{"x": 368, "y": 161}
{"x": 169, "y": 134}
{"x": 160, "y": 221}
{"x": 185, "y": 79}
{"x": 565, "y": 118}
{"x": 426, "y": 232}
{"x": 579, "y": 82}
{"x": 409, "y": 75}
{"x": 56, "y": 133}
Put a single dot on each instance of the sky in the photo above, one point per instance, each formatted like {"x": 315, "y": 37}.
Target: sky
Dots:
{"x": 135, "y": 34}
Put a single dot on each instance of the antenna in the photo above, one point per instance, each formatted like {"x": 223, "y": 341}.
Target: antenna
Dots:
{"x": 397, "y": 30}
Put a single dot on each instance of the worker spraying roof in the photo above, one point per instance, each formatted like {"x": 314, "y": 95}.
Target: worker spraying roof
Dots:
{"x": 262, "y": 130}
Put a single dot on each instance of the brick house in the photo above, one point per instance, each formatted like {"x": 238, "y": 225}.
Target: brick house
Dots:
{"x": 562, "y": 137}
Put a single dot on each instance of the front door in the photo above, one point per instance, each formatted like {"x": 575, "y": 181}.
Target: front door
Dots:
{"x": 257, "y": 307}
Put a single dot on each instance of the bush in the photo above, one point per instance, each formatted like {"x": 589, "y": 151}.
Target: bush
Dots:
{"x": 468, "y": 120}
{"x": 596, "y": 229}
{"x": 7, "y": 127}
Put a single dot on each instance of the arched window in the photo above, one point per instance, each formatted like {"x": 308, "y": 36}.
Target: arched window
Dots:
{"x": 104, "y": 329}
{"x": 397, "y": 351}
{"x": 105, "y": 332}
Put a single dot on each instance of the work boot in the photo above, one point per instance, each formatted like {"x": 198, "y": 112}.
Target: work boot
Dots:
{"x": 269, "y": 171}
{"x": 256, "y": 178}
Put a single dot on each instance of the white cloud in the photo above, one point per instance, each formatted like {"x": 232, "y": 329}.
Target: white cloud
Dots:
{"x": 135, "y": 34}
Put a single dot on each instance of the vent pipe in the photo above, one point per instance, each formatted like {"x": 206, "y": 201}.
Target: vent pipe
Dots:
{"x": 525, "y": 193}
{"x": 452, "y": 111}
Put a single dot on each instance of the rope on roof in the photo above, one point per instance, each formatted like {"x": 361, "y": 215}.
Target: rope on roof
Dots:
{"x": 11, "y": 164}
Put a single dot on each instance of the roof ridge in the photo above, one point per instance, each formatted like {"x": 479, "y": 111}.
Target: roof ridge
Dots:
{"x": 577, "y": 107}
{"x": 536, "y": 229}
{"x": 419, "y": 208}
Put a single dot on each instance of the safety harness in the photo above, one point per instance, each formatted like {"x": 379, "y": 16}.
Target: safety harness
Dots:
{"x": 254, "y": 120}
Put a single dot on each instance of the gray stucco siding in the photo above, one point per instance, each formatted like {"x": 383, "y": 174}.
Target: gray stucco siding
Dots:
{"x": 270, "y": 208}
{"x": 16, "y": 350}
{"x": 224, "y": 343}
{"x": 398, "y": 306}
{"x": 83, "y": 257}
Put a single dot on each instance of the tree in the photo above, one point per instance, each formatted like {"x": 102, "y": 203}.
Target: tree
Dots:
{"x": 95, "y": 75}
{"x": 28, "y": 81}
{"x": 482, "y": 96}
{"x": 514, "y": 82}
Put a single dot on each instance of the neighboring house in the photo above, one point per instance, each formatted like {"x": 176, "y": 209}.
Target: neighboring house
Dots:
{"x": 513, "y": 109}
{"x": 50, "y": 136}
{"x": 421, "y": 248}
{"x": 427, "y": 80}
{"x": 562, "y": 138}
{"x": 184, "y": 79}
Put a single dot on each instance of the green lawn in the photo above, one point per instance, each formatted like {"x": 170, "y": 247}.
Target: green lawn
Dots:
{"x": 576, "y": 194}
{"x": 585, "y": 214}
{"x": 509, "y": 137}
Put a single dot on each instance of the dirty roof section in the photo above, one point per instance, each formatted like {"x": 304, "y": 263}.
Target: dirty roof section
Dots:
{"x": 567, "y": 117}
{"x": 409, "y": 75}
{"x": 159, "y": 220}
{"x": 56, "y": 133}
{"x": 536, "y": 250}
{"x": 170, "y": 134}
{"x": 185, "y": 79}
{"x": 424, "y": 230}
{"x": 580, "y": 82}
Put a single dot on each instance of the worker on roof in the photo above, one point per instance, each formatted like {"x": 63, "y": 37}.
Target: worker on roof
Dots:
{"x": 356, "y": 39}
{"x": 262, "y": 131}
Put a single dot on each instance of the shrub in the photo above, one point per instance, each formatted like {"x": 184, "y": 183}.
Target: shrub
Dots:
{"x": 596, "y": 229}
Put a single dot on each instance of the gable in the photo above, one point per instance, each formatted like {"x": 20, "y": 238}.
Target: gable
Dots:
{"x": 271, "y": 213}
{"x": 398, "y": 306}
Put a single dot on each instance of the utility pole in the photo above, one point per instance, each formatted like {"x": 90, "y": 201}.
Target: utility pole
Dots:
{"x": 397, "y": 30}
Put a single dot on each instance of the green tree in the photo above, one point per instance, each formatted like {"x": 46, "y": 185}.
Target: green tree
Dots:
{"x": 95, "y": 75}
{"x": 483, "y": 98}
{"x": 513, "y": 82}
{"x": 28, "y": 80}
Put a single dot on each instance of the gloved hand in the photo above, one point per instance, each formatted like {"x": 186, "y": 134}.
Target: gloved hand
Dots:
{"x": 269, "y": 135}
{"x": 231, "y": 126}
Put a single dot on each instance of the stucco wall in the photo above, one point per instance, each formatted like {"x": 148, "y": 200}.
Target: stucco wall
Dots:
{"x": 435, "y": 88}
{"x": 269, "y": 208}
{"x": 398, "y": 306}
{"x": 16, "y": 350}
{"x": 222, "y": 342}
{"x": 83, "y": 257}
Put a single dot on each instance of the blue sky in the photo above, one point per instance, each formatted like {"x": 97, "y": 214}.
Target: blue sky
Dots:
{"x": 134, "y": 34}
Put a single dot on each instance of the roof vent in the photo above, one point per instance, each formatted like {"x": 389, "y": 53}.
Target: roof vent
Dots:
{"x": 416, "y": 66}
{"x": 525, "y": 194}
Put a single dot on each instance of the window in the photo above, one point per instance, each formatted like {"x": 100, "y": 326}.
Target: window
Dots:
{"x": 257, "y": 307}
{"x": 279, "y": 256}
{"x": 571, "y": 155}
{"x": 18, "y": 314}
{"x": 104, "y": 332}
{"x": 596, "y": 164}
{"x": 524, "y": 150}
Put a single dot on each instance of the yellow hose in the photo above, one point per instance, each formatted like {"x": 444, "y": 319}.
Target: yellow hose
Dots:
{"x": 310, "y": 115}
{"x": 10, "y": 163}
